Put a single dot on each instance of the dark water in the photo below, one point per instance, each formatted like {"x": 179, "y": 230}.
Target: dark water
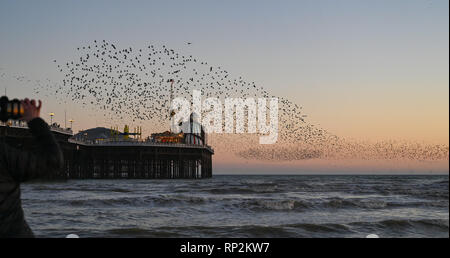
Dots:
{"x": 242, "y": 206}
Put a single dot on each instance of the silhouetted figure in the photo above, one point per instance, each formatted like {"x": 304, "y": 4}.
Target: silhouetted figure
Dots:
{"x": 19, "y": 166}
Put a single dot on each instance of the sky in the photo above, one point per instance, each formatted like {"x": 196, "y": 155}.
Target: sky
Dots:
{"x": 371, "y": 70}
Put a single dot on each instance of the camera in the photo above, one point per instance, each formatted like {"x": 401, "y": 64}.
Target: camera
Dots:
{"x": 10, "y": 109}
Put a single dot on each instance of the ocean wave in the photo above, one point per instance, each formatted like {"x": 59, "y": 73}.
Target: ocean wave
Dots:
{"x": 263, "y": 203}
{"x": 274, "y": 205}
{"x": 354, "y": 203}
{"x": 169, "y": 199}
{"x": 442, "y": 182}
{"x": 125, "y": 201}
{"x": 301, "y": 205}
{"x": 342, "y": 203}
{"x": 425, "y": 191}
{"x": 416, "y": 204}
{"x": 402, "y": 224}
{"x": 254, "y": 204}
{"x": 230, "y": 231}
{"x": 425, "y": 194}
{"x": 243, "y": 190}
{"x": 141, "y": 232}
{"x": 263, "y": 231}
{"x": 80, "y": 189}
{"x": 139, "y": 201}
{"x": 329, "y": 227}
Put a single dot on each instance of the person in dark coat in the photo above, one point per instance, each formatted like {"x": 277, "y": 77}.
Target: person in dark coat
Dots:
{"x": 18, "y": 166}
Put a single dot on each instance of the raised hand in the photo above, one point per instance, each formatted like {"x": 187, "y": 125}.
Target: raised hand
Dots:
{"x": 31, "y": 111}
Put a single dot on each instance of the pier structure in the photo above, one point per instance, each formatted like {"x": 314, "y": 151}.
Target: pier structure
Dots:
{"x": 120, "y": 159}
{"x": 138, "y": 160}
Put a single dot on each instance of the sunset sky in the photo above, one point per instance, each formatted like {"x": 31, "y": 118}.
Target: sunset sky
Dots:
{"x": 371, "y": 70}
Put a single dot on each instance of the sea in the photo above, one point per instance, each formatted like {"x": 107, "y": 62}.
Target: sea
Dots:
{"x": 240, "y": 206}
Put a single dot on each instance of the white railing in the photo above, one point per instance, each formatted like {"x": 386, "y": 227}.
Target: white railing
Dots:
{"x": 61, "y": 130}
{"x": 139, "y": 143}
{"x": 15, "y": 124}
{"x": 24, "y": 125}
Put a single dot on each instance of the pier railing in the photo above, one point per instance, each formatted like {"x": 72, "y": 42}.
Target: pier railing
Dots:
{"x": 23, "y": 125}
{"x": 61, "y": 130}
{"x": 140, "y": 143}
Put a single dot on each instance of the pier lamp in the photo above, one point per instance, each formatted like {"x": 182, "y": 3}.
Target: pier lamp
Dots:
{"x": 71, "y": 123}
{"x": 51, "y": 118}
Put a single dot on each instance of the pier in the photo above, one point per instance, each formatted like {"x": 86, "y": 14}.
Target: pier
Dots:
{"x": 120, "y": 159}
